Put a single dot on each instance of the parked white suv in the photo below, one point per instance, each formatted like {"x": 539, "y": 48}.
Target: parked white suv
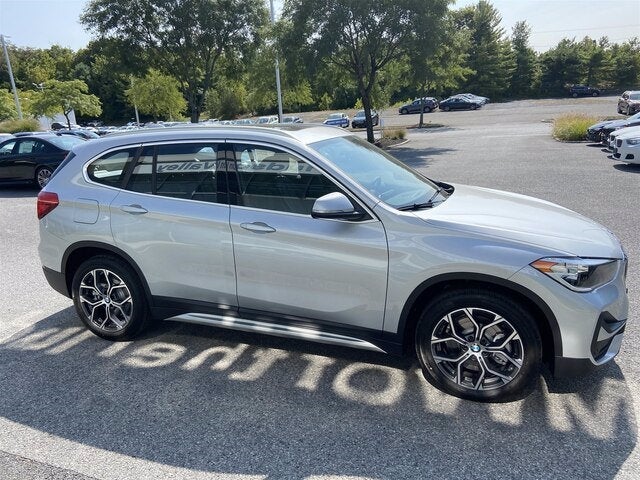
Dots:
{"x": 312, "y": 233}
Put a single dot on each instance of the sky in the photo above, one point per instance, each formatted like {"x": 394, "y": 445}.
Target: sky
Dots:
{"x": 43, "y": 23}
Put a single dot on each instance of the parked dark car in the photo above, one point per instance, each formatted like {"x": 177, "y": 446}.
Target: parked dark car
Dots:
{"x": 629, "y": 102}
{"x": 429, "y": 105}
{"x": 583, "y": 91}
{"x": 34, "y": 158}
{"x": 594, "y": 132}
{"x": 360, "y": 121}
{"x": 459, "y": 103}
{"x": 609, "y": 127}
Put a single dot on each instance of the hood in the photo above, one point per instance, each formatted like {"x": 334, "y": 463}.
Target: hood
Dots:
{"x": 522, "y": 219}
{"x": 627, "y": 132}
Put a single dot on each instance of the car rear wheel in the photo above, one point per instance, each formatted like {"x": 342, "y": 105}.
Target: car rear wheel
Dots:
{"x": 479, "y": 345}
{"x": 574, "y": 95}
{"x": 427, "y": 110}
{"x": 43, "y": 175}
{"x": 446, "y": 108}
{"x": 109, "y": 298}
{"x": 594, "y": 94}
{"x": 404, "y": 111}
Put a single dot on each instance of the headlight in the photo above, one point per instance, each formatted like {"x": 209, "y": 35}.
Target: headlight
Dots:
{"x": 578, "y": 274}
{"x": 633, "y": 141}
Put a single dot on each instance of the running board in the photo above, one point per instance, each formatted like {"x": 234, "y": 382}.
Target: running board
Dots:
{"x": 286, "y": 331}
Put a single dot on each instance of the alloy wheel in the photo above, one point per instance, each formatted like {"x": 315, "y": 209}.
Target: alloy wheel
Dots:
{"x": 105, "y": 300}
{"x": 43, "y": 176}
{"x": 477, "y": 349}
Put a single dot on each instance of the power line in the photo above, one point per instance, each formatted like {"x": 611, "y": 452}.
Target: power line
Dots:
{"x": 583, "y": 29}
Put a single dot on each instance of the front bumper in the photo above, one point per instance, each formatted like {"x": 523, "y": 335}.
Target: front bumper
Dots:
{"x": 590, "y": 326}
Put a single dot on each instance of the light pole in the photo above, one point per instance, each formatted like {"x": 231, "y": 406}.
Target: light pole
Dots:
{"x": 273, "y": 21}
{"x": 13, "y": 83}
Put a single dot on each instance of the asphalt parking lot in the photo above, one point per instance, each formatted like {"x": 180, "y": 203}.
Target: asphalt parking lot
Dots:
{"x": 191, "y": 402}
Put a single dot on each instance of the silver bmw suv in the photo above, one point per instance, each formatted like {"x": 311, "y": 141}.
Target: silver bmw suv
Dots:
{"x": 312, "y": 233}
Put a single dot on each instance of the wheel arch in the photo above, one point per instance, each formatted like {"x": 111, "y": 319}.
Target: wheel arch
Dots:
{"x": 420, "y": 297}
{"x": 81, "y": 251}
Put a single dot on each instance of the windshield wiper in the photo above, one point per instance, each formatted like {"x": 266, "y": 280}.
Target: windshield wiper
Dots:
{"x": 418, "y": 206}
{"x": 428, "y": 204}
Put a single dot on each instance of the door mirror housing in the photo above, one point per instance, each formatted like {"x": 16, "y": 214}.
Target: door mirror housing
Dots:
{"x": 335, "y": 206}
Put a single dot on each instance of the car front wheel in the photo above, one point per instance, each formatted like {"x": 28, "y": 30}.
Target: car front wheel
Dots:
{"x": 109, "y": 298}
{"x": 479, "y": 345}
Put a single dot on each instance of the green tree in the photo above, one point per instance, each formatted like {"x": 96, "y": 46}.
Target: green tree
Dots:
{"x": 625, "y": 63}
{"x": 361, "y": 37}
{"x": 7, "y": 106}
{"x": 184, "y": 38}
{"x": 439, "y": 58}
{"x": 560, "y": 67}
{"x": 490, "y": 55}
{"x": 228, "y": 100}
{"x": 65, "y": 97}
{"x": 156, "y": 95}
{"x": 524, "y": 74}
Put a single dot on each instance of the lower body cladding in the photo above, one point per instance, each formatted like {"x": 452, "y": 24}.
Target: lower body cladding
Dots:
{"x": 590, "y": 324}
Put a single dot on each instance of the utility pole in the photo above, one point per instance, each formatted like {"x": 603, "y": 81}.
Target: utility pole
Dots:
{"x": 13, "y": 83}
{"x": 273, "y": 20}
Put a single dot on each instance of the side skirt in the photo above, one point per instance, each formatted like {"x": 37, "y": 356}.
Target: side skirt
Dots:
{"x": 278, "y": 330}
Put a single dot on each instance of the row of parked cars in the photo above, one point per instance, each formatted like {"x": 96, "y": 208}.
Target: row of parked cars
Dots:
{"x": 461, "y": 101}
{"x": 621, "y": 138}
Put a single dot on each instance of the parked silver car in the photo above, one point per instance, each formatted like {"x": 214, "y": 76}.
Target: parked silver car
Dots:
{"x": 312, "y": 233}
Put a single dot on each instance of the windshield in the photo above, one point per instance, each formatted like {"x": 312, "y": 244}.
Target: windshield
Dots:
{"x": 378, "y": 172}
{"x": 361, "y": 114}
{"x": 634, "y": 96}
{"x": 333, "y": 116}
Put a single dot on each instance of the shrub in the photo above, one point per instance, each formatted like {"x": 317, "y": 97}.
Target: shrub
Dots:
{"x": 394, "y": 133}
{"x": 24, "y": 125}
{"x": 572, "y": 126}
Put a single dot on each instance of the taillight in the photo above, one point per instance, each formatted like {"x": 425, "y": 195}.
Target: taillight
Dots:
{"x": 47, "y": 201}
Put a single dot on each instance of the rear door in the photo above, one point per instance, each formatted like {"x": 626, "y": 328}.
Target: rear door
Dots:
{"x": 172, "y": 218}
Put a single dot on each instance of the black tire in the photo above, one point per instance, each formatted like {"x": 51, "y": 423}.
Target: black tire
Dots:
{"x": 427, "y": 110}
{"x": 574, "y": 95}
{"x": 446, "y": 108}
{"x": 474, "y": 106}
{"x": 595, "y": 94}
{"x": 511, "y": 320}
{"x": 404, "y": 111}
{"x": 116, "y": 288}
{"x": 42, "y": 176}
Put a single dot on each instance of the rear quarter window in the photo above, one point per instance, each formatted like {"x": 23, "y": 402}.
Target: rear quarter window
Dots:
{"x": 110, "y": 168}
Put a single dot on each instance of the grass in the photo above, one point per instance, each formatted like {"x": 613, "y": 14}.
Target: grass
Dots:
{"x": 572, "y": 126}
{"x": 14, "y": 126}
{"x": 394, "y": 133}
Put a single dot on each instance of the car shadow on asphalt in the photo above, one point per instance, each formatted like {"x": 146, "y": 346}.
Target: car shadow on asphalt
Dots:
{"x": 18, "y": 191}
{"x": 229, "y": 402}
{"x": 626, "y": 167}
{"x": 418, "y": 157}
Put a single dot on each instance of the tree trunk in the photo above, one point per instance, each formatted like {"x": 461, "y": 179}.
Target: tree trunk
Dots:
{"x": 422, "y": 94}
{"x": 366, "y": 104}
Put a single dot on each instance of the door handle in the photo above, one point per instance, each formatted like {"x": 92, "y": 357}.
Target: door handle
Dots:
{"x": 258, "y": 227}
{"x": 134, "y": 209}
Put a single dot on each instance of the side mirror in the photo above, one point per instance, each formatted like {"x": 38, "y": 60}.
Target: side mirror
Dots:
{"x": 335, "y": 206}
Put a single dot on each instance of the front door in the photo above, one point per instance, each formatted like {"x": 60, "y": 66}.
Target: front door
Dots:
{"x": 290, "y": 264}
